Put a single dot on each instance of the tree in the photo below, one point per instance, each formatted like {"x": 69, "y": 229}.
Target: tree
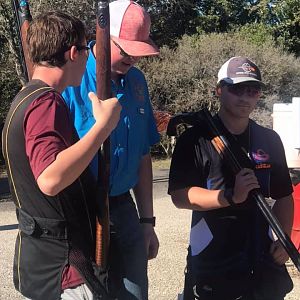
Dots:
{"x": 171, "y": 19}
{"x": 83, "y": 9}
{"x": 222, "y": 15}
{"x": 8, "y": 36}
{"x": 258, "y": 34}
{"x": 11, "y": 74}
{"x": 10, "y": 68}
{"x": 287, "y": 24}
{"x": 8, "y": 33}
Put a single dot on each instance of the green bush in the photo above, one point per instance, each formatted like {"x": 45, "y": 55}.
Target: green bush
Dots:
{"x": 257, "y": 33}
{"x": 184, "y": 78}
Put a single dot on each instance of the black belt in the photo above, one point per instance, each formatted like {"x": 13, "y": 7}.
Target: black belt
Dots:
{"x": 120, "y": 197}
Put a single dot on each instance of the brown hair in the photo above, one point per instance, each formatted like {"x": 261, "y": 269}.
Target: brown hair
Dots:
{"x": 50, "y": 35}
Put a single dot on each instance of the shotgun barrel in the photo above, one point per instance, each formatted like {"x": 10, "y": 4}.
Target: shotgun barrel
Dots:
{"x": 23, "y": 19}
{"x": 223, "y": 146}
{"x": 225, "y": 150}
{"x": 103, "y": 76}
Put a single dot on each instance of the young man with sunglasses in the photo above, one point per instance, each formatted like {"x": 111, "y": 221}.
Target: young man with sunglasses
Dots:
{"x": 47, "y": 167}
{"x": 133, "y": 239}
{"x": 231, "y": 254}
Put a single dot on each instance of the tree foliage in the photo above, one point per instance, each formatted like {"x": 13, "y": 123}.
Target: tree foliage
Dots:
{"x": 222, "y": 15}
{"x": 171, "y": 19}
{"x": 83, "y": 9}
{"x": 11, "y": 75}
{"x": 10, "y": 68}
{"x": 287, "y": 27}
{"x": 180, "y": 77}
{"x": 10, "y": 51}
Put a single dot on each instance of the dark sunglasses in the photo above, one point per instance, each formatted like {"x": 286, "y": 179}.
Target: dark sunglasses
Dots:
{"x": 122, "y": 52}
{"x": 242, "y": 88}
{"x": 86, "y": 48}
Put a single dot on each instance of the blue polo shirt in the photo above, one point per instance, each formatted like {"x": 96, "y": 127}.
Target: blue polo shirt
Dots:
{"x": 135, "y": 132}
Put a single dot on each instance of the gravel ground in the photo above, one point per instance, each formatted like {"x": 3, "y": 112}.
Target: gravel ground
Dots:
{"x": 165, "y": 272}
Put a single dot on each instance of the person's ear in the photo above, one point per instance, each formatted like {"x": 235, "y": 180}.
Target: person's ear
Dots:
{"x": 218, "y": 91}
{"x": 73, "y": 53}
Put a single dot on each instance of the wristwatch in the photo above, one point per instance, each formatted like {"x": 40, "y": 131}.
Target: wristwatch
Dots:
{"x": 148, "y": 220}
{"x": 228, "y": 195}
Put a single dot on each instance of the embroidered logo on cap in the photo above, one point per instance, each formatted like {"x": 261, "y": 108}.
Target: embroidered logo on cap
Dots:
{"x": 247, "y": 68}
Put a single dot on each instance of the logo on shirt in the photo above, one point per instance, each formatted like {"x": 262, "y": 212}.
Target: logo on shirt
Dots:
{"x": 138, "y": 89}
{"x": 261, "y": 159}
{"x": 260, "y": 156}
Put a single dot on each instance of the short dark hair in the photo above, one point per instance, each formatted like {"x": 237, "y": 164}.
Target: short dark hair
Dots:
{"x": 50, "y": 35}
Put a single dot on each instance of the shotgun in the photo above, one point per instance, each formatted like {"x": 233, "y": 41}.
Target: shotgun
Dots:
{"x": 103, "y": 76}
{"x": 23, "y": 18}
{"x": 234, "y": 154}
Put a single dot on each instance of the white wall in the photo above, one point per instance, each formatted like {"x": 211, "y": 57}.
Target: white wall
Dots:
{"x": 286, "y": 122}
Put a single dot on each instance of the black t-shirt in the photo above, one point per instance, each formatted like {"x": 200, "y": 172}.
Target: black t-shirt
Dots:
{"x": 195, "y": 162}
{"x": 223, "y": 237}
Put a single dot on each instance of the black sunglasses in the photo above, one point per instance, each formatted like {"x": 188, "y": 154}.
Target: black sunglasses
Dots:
{"x": 80, "y": 48}
{"x": 252, "y": 90}
{"x": 122, "y": 52}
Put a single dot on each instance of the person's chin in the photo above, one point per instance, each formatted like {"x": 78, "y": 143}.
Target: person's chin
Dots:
{"x": 124, "y": 69}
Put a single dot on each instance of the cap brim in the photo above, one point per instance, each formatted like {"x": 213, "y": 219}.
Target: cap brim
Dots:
{"x": 137, "y": 48}
{"x": 240, "y": 80}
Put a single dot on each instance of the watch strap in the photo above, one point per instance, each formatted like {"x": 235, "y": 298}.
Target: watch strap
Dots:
{"x": 148, "y": 220}
{"x": 228, "y": 195}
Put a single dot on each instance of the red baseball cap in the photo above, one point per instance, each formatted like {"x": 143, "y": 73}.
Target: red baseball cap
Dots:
{"x": 130, "y": 28}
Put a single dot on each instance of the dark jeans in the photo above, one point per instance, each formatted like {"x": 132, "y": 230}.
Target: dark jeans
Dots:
{"x": 128, "y": 261}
